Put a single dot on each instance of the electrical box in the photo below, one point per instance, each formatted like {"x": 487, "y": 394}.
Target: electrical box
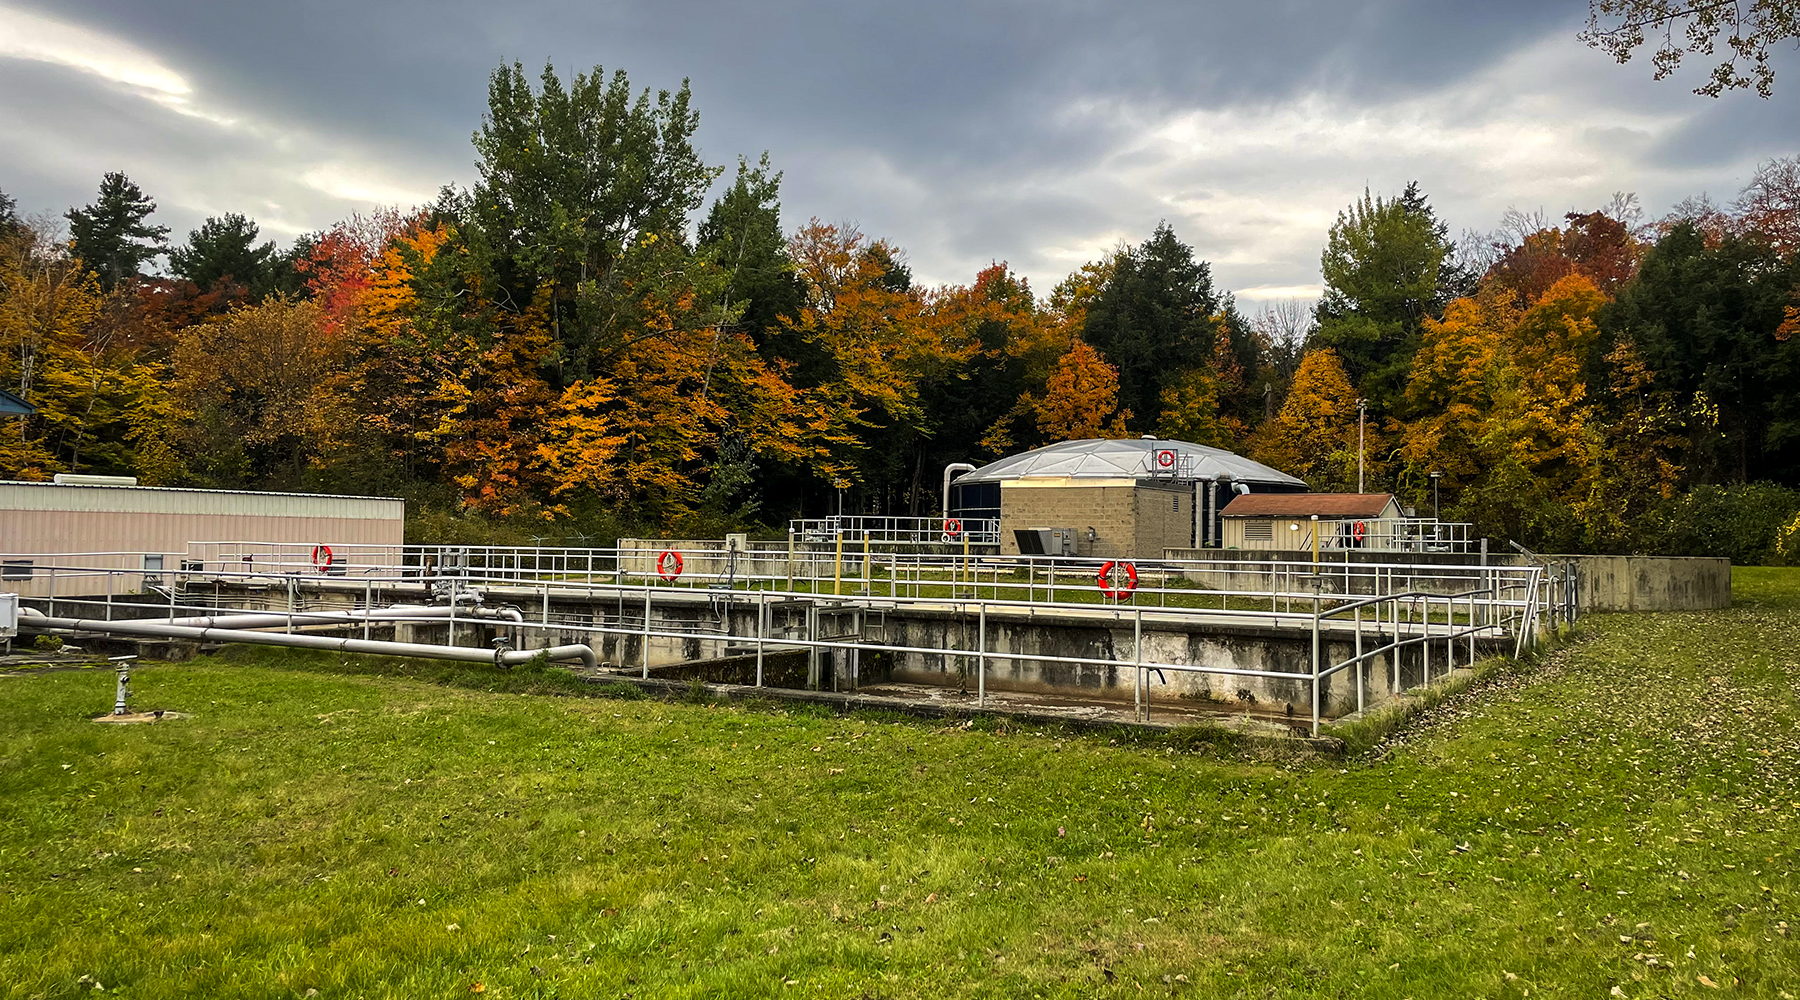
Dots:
{"x": 1045, "y": 541}
{"x": 9, "y": 615}
{"x": 737, "y": 542}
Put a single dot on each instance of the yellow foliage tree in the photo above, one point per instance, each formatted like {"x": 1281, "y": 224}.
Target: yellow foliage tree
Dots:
{"x": 259, "y": 384}
{"x": 1081, "y": 398}
{"x": 1314, "y": 434}
{"x": 99, "y": 407}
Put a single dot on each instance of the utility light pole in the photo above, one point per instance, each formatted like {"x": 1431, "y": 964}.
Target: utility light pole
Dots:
{"x": 1362, "y": 409}
{"x": 1436, "y": 512}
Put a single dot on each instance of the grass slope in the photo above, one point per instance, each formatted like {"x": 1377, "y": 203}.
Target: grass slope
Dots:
{"x": 1620, "y": 817}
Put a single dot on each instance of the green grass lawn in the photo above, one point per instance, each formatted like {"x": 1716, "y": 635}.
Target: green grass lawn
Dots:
{"x": 1619, "y": 818}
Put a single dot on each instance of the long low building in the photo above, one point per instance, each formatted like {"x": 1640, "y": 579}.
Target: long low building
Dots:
{"x": 156, "y": 525}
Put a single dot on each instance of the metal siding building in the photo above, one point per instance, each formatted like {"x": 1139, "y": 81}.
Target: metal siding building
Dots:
{"x": 47, "y": 519}
{"x": 1284, "y": 523}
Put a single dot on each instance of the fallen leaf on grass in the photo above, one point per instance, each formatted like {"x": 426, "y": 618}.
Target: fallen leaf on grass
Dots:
{"x": 478, "y": 988}
{"x": 1707, "y": 982}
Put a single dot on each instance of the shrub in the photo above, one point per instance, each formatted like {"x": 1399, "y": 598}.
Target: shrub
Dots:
{"x": 1787, "y": 543}
{"x": 1745, "y": 522}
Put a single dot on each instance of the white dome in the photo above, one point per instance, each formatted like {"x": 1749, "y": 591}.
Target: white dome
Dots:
{"x": 1131, "y": 458}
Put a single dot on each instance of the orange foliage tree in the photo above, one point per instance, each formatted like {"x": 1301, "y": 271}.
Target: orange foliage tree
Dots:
{"x": 881, "y": 338}
{"x": 1081, "y": 398}
{"x": 1506, "y": 413}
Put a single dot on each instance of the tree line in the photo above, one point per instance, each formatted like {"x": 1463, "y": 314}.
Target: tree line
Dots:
{"x": 581, "y": 344}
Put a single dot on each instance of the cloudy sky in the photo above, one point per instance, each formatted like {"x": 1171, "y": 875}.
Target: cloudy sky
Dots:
{"x": 1038, "y": 133}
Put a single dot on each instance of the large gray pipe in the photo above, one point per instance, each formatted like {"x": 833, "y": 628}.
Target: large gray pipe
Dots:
{"x": 949, "y": 471}
{"x": 371, "y": 647}
{"x": 397, "y": 613}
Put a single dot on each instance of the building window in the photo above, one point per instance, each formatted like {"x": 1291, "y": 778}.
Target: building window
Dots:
{"x": 1259, "y": 531}
{"x": 15, "y": 569}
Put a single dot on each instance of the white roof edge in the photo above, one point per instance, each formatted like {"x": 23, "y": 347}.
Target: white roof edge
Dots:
{"x": 196, "y": 489}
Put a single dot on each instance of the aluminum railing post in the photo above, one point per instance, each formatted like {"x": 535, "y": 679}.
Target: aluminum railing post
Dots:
{"x": 981, "y": 656}
{"x": 645, "y": 674}
{"x": 761, "y": 613}
{"x": 1359, "y": 659}
{"x": 1425, "y": 649}
{"x": 1315, "y": 657}
{"x": 1140, "y": 697}
{"x": 1471, "y": 630}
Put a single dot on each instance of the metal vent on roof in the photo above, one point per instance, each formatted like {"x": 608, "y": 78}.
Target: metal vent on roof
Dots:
{"x": 72, "y": 479}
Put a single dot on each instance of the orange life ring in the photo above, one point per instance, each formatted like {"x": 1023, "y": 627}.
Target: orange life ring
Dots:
{"x": 1361, "y": 531}
{"x": 668, "y": 565}
{"x": 1123, "y": 591}
{"x": 321, "y": 557}
{"x": 953, "y": 527}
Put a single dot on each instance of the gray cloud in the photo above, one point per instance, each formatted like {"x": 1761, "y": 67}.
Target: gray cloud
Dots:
{"x": 1039, "y": 133}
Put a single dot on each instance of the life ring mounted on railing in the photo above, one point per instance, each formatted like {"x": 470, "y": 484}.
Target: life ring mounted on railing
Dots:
{"x": 953, "y": 529}
{"x": 668, "y": 565}
{"x": 1120, "y": 591}
{"x": 1360, "y": 532}
{"x": 321, "y": 557}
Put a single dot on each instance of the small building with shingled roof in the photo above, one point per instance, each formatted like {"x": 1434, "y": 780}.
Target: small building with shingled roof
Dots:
{"x": 1284, "y": 521}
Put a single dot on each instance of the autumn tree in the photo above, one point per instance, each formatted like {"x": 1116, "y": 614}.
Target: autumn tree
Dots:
{"x": 1594, "y": 245}
{"x": 1081, "y": 400}
{"x": 1037, "y": 342}
{"x": 1314, "y": 435}
{"x": 100, "y": 407}
{"x": 1769, "y": 206}
{"x": 338, "y": 266}
{"x": 257, "y": 382}
{"x": 111, "y": 237}
{"x": 882, "y": 338}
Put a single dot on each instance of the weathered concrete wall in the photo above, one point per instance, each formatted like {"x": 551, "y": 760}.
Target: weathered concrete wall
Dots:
{"x": 1227, "y": 648}
{"x": 1651, "y": 583}
{"x": 1606, "y": 583}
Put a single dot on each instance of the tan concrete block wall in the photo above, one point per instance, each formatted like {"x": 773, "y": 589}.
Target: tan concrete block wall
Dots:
{"x": 1109, "y": 510}
{"x": 1165, "y": 520}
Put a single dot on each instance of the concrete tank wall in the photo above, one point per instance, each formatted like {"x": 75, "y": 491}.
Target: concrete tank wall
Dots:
{"x": 1606, "y": 583}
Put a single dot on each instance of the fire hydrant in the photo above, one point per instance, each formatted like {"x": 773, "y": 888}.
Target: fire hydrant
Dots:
{"x": 123, "y": 665}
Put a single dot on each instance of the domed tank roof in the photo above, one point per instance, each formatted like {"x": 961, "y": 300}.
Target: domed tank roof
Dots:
{"x": 1130, "y": 458}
